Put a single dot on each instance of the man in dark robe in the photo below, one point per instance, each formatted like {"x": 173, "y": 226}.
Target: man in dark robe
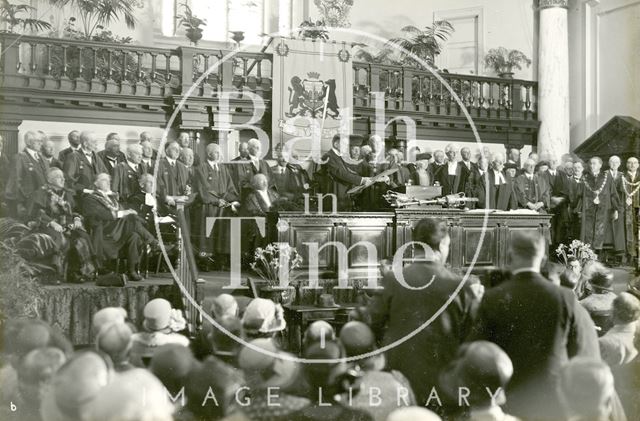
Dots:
{"x": 51, "y": 210}
{"x": 453, "y": 174}
{"x": 246, "y": 169}
{"x": 184, "y": 140}
{"x": 560, "y": 189}
{"x": 599, "y": 204}
{"x": 631, "y": 187}
{"x": 291, "y": 181}
{"x": 114, "y": 230}
{"x": 74, "y": 145}
{"x": 149, "y": 156}
{"x": 217, "y": 197}
{"x": 173, "y": 179}
{"x": 530, "y": 192}
{"x": 437, "y": 165}
{"x": 146, "y": 138}
{"x": 575, "y": 192}
{"x": 502, "y": 195}
{"x": 615, "y": 233}
{"x": 476, "y": 186}
{"x": 111, "y": 156}
{"x": 29, "y": 173}
{"x": 81, "y": 167}
{"x": 260, "y": 202}
{"x": 127, "y": 174}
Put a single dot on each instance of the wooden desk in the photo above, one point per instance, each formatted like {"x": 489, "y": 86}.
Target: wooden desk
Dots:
{"x": 388, "y": 231}
{"x": 299, "y": 317}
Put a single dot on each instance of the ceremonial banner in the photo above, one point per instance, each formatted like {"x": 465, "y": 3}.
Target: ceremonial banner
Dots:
{"x": 312, "y": 93}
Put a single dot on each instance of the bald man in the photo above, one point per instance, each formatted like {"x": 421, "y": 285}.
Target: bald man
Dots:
{"x": 29, "y": 172}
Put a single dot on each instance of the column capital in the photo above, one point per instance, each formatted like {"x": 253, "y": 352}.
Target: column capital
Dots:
{"x": 547, "y": 4}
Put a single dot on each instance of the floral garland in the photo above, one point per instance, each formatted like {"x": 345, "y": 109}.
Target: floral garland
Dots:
{"x": 625, "y": 183}
{"x": 596, "y": 200}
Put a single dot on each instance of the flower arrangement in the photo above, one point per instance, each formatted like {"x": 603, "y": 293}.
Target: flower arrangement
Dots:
{"x": 578, "y": 250}
{"x": 267, "y": 261}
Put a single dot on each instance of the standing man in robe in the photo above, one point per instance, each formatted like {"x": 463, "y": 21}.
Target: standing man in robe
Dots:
{"x": 453, "y": 174}
{"x": 146, "y": 137}
{"x": 149, "y": 156}
{"x": 438, "y": 164}
{"x": 615, "y": 233}
{"x": 29, "y": 173}
{"x": 575, "y": 192}
{"x": 531, "y": 193}
{"x": 82, "y": 167}
{"x": 502, "y": 195}
{"x": 476, "y": 185}
{"x": 74, "y": 145}
{"x": 127, "y": 174}
{"x": 631, "y": 189}
{"x": 217, "y": 198}
{"x": 184, "y": 140}
{"x": 338, "y": 176}
{"x": 599, "y": 204}
{"x": 173, "y": 178}
{"x": 111, "y": 156}
{"x": 560, "y": 190}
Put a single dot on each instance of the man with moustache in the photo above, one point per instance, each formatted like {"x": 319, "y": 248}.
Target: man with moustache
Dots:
{"x": 454, "y": 174}
{"x": 254, "y": 164}
{"x": 437, "y": 165}
{"x": 184, "y": 140}
{"x": 46, "y": 150}
{"x": 631, "y": 188}
{"x": 81, "y": 168}
{"x": 615, "y": 233}
{"x": 531, "y": 193}
{"x": 111, "y": 156}
{"x": 290, "y": 180}
{"x": 502, "y": 195}
{"x": 173, "y": 178}
{"x": 146, "y": 138}
{"x": 476, "y": 186}
{"x": 29, "y": 173}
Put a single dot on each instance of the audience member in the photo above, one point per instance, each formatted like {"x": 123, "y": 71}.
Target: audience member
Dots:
{"x": 600, "y": 303}
{"x": 263, "y": 319}
{"x": 115, "y": 340}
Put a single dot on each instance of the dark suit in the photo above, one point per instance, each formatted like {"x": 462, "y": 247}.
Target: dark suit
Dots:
{"x": 27, "y": 175}
{"x": 109, "y": 164}
{"x": 125, "y": 180}
{"x": 53, "y": 162}
{"x": 502, "y": 197}
{"x": 254, "y": 205}
{"x": 532, "y": 191}
{"x": 290, "y": 183}
{"x": 338, "y": 178}
{"x": 172, "y": 180}
{"x": 540, "y": 326}
{"x": 476, "y": 187}
{"x": 243, "y": 171}
{"x": 560, "y": 187}
{"x": 452, "y": 184}
{"x": 402, "y": 311}
{"x": 80, "y": 173}
{"x": 64, "y": 154}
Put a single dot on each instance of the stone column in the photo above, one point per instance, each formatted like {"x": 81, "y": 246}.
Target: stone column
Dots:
{"x": 553, "y": 78}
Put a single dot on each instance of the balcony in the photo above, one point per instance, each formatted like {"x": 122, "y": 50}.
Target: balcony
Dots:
{"x": 70, "y": 80}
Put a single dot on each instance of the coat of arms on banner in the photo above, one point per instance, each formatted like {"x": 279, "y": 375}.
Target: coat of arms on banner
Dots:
{"x": 313, "y": 97}
{"x": 312, "y": 92}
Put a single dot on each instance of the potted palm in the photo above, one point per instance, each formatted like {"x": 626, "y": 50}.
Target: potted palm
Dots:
{"x": 191, "y": 23}
{"x": 425, "y": 43}
{"x": 12, "y": 15}
{"x": 503, "y": 61}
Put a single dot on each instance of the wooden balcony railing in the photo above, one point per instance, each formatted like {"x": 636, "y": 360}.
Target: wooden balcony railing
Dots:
{"x": 122, "y": 71}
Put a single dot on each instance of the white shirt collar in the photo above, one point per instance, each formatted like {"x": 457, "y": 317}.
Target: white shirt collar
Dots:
{"x": 520, "y": 270}
{"x": 336, "y": 151}
{"x": 552, "y": 172}
{"x": 213, "y": 164}
{"x": 529, "y": 176}
{"x": 171, "y": 161}
{"x": 33, "y": 154}
{"x": 132, "y": 165}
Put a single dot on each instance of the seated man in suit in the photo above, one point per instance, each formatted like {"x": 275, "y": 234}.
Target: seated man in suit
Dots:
{"x": 28, "y": 173}
{"x": 502, "y": 195}
{"x": 51, "y": 210}
{"x": 126, "y": 174}
{"x": 291, "y": 181}
{"x": 531, "y": 192}
{"x": 111, "y": 156}
{"x": 113, "y": 229}
{"x": 82, "y": 167}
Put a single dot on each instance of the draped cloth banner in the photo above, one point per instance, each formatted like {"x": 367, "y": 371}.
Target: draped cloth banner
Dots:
{"x": 312, "y": 93}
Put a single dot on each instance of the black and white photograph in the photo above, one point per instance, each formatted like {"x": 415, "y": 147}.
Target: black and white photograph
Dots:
{"x": 319, "y": 210}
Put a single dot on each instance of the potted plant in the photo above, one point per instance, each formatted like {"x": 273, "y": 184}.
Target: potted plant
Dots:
{"x": 267, "y": 264}
{"x": 503, "y": 61}
{"x": 98, "y": 14}
{"x": 425, "y": 43}
{"x": 11, "y": 15}
{"x": 313, "y": 30}
{"x": 191, "y": 23}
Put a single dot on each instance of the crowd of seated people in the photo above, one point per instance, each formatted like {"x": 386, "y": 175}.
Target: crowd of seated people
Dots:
{"x": 585, "y": 201}
{"x": 523, "y": 347}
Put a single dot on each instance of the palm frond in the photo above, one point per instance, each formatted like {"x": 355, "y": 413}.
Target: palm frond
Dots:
{"x": 35, "y": 245}
{"x": 10, "y": 228}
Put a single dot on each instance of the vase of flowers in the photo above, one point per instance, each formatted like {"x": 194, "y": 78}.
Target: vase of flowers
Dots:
{"x": 576, "y": 251}
{"x": 270, "y": 264}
